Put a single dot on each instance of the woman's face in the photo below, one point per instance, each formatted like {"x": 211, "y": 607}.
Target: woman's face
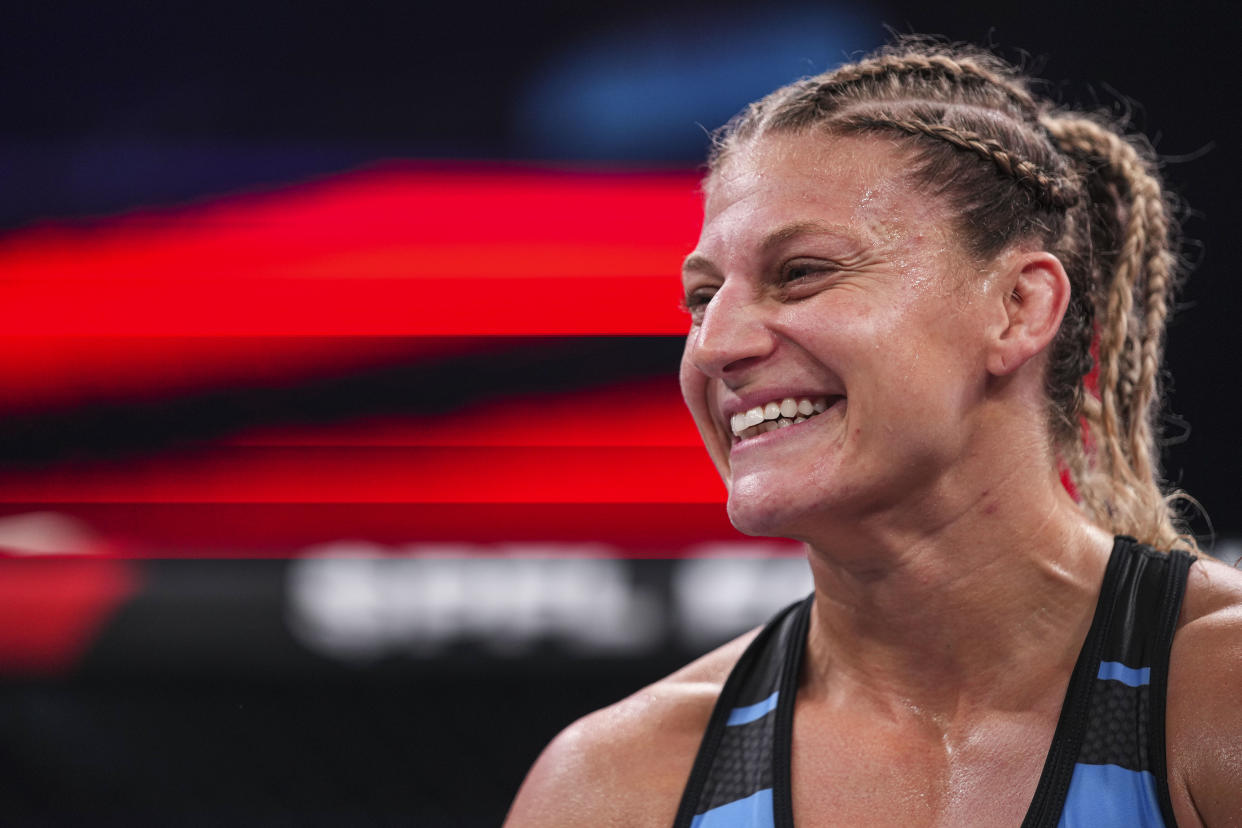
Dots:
{"x": 822, "y": 276}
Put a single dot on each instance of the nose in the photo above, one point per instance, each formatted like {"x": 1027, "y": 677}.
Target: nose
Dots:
{"x": 732, "y": 335}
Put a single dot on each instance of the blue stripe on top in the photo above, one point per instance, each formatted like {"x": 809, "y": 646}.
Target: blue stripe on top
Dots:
{"x": 755, "y": 811}
{"x": 1108, "y": 796}
{"x": 1117, "y": 671}
{"x": 742, "y": 715}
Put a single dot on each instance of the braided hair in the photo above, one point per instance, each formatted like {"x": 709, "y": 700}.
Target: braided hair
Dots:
{"x": 1014, "y": 167}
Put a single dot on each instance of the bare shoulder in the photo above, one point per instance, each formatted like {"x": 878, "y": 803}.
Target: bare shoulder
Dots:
{"x": 628, "y": 763}
{"x": 1204, "y": 712}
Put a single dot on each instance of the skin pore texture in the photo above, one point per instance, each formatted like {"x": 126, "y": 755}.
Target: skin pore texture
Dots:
{"x": 955, "y": 578}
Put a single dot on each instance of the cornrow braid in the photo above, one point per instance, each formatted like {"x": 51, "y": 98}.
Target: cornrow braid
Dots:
{"x": 961, "y": 69}
{"x": 1054, "y": 191}
{"x": 1014, "y": 169}
{"x": 917, "y": 70}
{"x": 1138, "y": 289}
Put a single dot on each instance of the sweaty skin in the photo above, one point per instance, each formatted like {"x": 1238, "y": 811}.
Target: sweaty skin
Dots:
{"x": 955, "y": 578}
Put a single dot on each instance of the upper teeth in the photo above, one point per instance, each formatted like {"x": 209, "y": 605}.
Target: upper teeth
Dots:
{"x": 788, "y": 408}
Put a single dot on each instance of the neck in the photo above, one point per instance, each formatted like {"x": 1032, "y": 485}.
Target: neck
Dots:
{"x": 979, "y": 610}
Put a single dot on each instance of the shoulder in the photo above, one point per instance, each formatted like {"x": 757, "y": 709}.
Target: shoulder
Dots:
{"x": 628, "y": 763}
{"x": 1203, "y": 718}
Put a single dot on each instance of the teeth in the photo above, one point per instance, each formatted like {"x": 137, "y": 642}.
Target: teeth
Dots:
{"x": 776, "y": 414}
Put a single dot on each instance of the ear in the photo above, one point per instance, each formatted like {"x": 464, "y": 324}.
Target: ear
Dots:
{"x": 1034, "y": 292}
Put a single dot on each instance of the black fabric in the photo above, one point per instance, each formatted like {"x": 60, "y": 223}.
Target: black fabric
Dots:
{"x": 1170, "y": 612}
{"x": 1117, "y": 726}
{"x": 1054, "y": 780}
{"x": 1132, "y": 634}
{"x": 1105, "y": 721}
{"x": 794, "y": 639}
{"x": 765, "y": 676}
{"x": 755, "y": 677}
{"x": 734, "y": 775}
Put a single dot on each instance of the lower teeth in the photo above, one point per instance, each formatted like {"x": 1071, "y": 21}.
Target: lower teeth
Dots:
{"x": 772, "y": 425}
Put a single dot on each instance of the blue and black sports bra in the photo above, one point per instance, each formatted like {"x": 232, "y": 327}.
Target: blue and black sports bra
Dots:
{"x": 1105, "y": 768}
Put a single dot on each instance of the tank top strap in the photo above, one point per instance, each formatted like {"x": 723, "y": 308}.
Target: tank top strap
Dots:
{"x": 741, "y": 773}
{"x": 1106, "y": 766}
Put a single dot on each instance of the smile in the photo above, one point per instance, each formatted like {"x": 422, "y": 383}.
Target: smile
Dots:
{"x": 777, "y": 414}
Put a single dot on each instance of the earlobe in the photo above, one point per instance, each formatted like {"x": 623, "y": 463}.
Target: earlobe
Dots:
{"x": 1036, "y": 292}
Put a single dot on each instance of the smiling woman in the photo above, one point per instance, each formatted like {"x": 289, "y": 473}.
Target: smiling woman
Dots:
{"x": 821, "y": 275}
{"x": 905, "y": 268}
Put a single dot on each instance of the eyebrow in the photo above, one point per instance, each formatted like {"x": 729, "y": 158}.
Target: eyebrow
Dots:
{"x": 697, "y": 262}
{"x": 806, "y": 228}
{"x": 700, "y": 263}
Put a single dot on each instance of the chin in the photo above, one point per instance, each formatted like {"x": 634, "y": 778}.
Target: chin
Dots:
{"x": 764, "y": 516}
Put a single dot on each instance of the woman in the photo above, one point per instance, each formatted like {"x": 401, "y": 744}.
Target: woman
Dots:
{"x": 905, "y": 267}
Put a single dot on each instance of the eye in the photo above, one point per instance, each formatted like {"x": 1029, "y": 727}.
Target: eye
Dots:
{"x": 799, "y": 271}
{"x": 696, "y": 301}
{"x": 800, "y": 279}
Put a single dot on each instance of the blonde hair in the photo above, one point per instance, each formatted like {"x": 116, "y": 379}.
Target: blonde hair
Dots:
{"x": 1013, "y": 166}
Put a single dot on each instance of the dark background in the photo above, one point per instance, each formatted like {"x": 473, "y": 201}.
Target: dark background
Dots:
{"x": 106, "y": 107}
{"x": 210, "y": 712}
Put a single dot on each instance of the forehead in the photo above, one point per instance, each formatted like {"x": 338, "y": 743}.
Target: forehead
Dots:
{"x": 859, "y": 186}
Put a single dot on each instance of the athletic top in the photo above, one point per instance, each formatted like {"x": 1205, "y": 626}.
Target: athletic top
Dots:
{"x": 1105, "y": 767}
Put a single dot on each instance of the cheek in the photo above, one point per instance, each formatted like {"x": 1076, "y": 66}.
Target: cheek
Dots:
{"x": 895, "y": 363}
{"x": 694, "y": 393}
{"x": 692, "y": 382}
{"x": 931, "y": 378}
